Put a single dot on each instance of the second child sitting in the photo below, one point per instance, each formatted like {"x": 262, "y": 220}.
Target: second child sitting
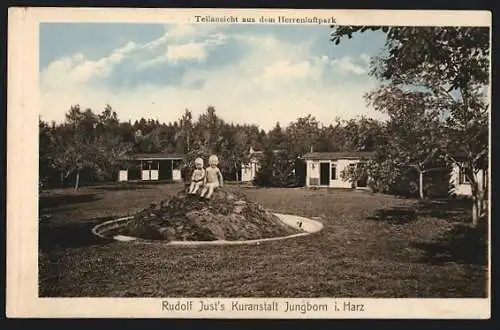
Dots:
{"x": 198, "y": 177}
{"x": 213, "y": 179}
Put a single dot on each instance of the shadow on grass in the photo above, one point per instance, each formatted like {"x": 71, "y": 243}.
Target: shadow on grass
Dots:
{"x": 74, "y": 235}
{"x": 53, "y": 201}
{"x": 452, "y": 209}
{"x": 463, "y": 244}
{"x": 396, "y": 215}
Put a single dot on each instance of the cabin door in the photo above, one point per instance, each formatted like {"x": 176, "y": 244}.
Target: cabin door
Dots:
{"x": 324, "y": 174}
{"x": 362, "y": 182}
{"x": 165, "y": 170}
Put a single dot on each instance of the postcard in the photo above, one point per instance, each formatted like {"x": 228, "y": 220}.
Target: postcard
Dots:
{"x": 248, "y": 163}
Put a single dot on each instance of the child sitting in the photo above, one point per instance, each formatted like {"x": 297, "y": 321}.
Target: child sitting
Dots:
{"x": 213, "y": 177}
{"x": 198, "y": 176}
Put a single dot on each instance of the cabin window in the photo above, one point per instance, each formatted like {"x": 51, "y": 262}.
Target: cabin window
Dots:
{"x": 176, "y": 164}
{"x": 151, "y": 165}
{"x": 334, "y": 172}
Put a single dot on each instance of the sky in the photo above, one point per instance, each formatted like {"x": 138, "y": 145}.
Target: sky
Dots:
{"x": 253, "y": 74}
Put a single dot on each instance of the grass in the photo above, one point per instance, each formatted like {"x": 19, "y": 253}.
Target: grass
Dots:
{"x": 372, "y": 245}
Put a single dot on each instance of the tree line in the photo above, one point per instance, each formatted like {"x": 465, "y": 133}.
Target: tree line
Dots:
{"x": 92, "y": 146}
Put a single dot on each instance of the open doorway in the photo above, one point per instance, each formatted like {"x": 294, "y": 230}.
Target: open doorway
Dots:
{"x": 324, "y": 174}
{"x": 362, "y": 181}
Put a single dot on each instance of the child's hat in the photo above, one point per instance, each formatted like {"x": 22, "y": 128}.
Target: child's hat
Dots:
{"x": 198, "y": 161}
{"x": 213, "y": 158}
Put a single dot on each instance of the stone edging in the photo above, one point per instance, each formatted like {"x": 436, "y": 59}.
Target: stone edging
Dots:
{"x": 309, "y": 226}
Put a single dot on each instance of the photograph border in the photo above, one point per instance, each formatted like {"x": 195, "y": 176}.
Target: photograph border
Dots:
{"x": 22, "y": 174}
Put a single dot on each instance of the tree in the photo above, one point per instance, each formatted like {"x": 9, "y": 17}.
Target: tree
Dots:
{"x": 415, "y": 131}
{"x": 208, "y": 128}
{"x": 276, "y": 138}
{"x": 184, "y": 139}
{"x": 265, "y": 176}
{"x": 75, "y": 144}
{"x": 235, "y": 149}
{"x": 362, "y": 134}
{"x": 149, "y": 143}
{"x": 109, "y": 145}
{"x": 276, "y": 169}
{"x": 45, "y": 138}
{"x": 72, "y": 152}
{"x": 197, "y": 139}
{"x": 302, "y": 135}
{"x": 331, "y": 138}
{"x": 185, "y": 134}
{"x": 451, "y": 65}
{"x": 86, "y": 141}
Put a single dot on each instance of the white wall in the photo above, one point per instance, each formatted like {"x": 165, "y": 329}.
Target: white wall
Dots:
{"x": 248, "y": 171}
{"x": 246, "y": 174}
{"x": 176, "y": 175}
{"x": 150, "y": 174}
{"x": 463, "y": 189}
{"x": 313, "y": 172}
{"x": 155, "y": 175}
{"x": 123, "y": 175}
{"x": 145, "y": 175}
{"x": 341, "y": 165}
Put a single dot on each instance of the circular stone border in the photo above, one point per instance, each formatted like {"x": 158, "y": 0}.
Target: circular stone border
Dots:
{"x": 309, "y": 226}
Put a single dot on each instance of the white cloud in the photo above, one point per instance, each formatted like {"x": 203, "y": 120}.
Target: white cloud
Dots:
{"x": 275, "y": 81}
{"x": 156, "y": 43}
{"x": 152, "y": 62}
{"x": 182, "y": 30}
{"x": 190, "y": 51}
{"x": 77, "y": 69}
{"x": 182, "y": 34}
{"x": 176, "y": 51}
{"x": 129, "y": 47}
{"x": 365, "y": 58}
{"x": 171, "y": 34}
{"x": 286, "y": 69}
{"x": 346, "y": 65}
{"x": 78, "y": 57}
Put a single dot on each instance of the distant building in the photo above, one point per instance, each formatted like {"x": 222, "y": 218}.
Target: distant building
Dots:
{"x": 461, "y": 185}
{"x": 151, "y": 167}
{"x": 323, "y": 169}
{"x": 250, "y": 169}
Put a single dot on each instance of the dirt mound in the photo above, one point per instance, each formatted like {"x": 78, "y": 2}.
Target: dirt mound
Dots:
{"x": 226, "y": 216}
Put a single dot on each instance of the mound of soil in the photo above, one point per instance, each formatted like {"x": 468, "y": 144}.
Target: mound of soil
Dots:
{"x": 226, "y": 216}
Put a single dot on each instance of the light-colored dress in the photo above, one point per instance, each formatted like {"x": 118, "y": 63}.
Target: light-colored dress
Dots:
{"x": 198, "y": 175}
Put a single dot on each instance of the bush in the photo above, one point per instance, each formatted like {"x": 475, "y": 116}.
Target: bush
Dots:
{"x": 437, "y": 184}
{"x": 389, "y": 178}
{"x": 277, "y": 170}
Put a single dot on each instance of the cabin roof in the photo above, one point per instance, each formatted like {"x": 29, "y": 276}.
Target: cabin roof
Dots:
{"x": 155, "y": 156}
{"x": 259, "y": 154}
{"x": 338, "y": 155}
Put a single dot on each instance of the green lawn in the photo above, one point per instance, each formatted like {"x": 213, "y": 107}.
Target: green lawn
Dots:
{"x": 372, "y": 245}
